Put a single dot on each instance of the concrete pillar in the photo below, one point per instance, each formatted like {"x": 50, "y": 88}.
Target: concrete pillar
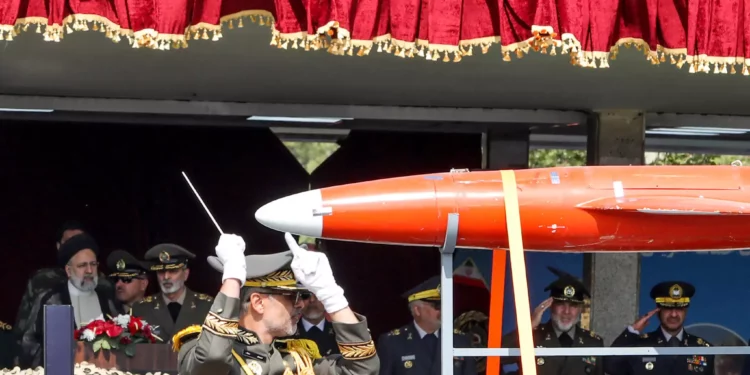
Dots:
{"x": 615, "y": 138}
{"x": 505, "y": 150}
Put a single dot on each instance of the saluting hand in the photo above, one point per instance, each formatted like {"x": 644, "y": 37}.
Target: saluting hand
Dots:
{"x": 312, "y": 270}
{"x": 641, "y": 323}
{"x": 536, "y": 315}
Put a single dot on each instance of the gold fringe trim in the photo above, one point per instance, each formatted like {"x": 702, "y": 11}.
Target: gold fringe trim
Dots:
{"x": 337, "y": 40}
{"x": 184, "y": 335}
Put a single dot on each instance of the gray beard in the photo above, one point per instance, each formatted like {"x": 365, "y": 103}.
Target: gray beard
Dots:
{"x": 563, "y": 328}
{"x": 84, "y": 285}
{"x": 176, "y": 285}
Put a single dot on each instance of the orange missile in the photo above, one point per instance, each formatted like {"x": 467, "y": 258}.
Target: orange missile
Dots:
{"x": 568, "y": 209}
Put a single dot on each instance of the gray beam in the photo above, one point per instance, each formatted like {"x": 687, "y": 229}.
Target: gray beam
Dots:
{"x": 615, "y": 138}
{"x": 503, "y": 150}
{"x": 206, "y": 108}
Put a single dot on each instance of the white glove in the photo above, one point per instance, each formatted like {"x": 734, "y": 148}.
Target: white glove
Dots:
{"x": 231, "y": 252}
{"x": 313, "y": 271}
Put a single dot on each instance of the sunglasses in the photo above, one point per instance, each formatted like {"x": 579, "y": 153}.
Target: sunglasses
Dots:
{"x": 295, "y": 297}
{"x": 126, "y": 280}
{"x": 435, "y": 305}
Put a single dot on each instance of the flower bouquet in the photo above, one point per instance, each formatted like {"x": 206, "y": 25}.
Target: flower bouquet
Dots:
{"x": 120, "y": 332}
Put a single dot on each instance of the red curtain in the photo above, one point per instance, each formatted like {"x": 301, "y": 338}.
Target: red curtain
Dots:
{"x": 709, "y": 35}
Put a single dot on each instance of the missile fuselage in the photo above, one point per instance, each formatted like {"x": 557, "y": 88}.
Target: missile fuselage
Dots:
{"x": 568, "y": 209}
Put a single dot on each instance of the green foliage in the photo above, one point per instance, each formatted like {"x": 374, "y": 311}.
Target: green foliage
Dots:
{"x": 546, "y": 158}
{"x": 311, "y": 154}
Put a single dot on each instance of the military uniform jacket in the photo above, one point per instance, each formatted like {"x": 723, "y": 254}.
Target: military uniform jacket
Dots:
{"x": 658, "y": 365}
{"x": 153, "y": 309}
{"x": 546, "y": 337}
{"x": 224, "y": 348}
{"x": 402, "y": 352}
{"x": 326, "y": 339}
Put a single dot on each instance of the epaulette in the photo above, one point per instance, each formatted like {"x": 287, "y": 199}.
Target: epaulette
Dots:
{"x": 308, "y": 347}
{"x": 644, "y": 336}
{"x": 5, "y": 326}
{"x": 459, "y": 332}
{"x": 701, "y": 341}
{"x": 148, "y": 299}
{"x": 595, "y": 336}
{"x": 394, "y": 332}
{"x": 203, "y": 297}
{"x": 184, "y": 336}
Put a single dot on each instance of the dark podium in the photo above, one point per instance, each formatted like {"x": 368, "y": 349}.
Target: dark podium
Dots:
{"x": 62, "y": 351}
{"x": 148, "y": 358}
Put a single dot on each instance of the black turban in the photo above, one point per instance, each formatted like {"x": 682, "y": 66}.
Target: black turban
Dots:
{"x": 72, "y": 246}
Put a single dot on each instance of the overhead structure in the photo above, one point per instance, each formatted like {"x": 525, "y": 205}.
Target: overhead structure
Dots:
{"x": 706, "y": 37}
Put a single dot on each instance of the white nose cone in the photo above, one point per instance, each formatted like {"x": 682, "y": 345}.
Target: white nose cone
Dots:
{"x": 297, "y": 214}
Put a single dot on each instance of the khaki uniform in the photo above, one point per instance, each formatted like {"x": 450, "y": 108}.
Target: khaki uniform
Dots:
{"x": 153, "y": 309}
{"x": 223, "y": 347}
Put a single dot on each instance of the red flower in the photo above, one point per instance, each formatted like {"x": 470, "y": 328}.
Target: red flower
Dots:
{"x": 97, "y": 326}
{"x": 125, "y": 340}
{"x": 113, "y": 330}
{"x": 135, "y": 325}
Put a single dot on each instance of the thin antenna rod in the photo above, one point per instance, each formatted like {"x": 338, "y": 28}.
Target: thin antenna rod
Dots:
{"x": 201, "y": 200}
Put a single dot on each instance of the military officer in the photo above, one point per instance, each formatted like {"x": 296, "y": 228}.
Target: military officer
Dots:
{"x": 565, "y": 302}
{"x": 129, "y": 277}
{"x": 261, "y": 300}
{"x": 414, "y": 349}
{"x": 314, "y": 326}
{"x": 672, "y": 301}
{"x": 176, "y": 306}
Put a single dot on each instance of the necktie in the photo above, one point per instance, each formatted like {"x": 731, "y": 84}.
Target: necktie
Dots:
{"x": 174, "y": 310}
{"x": 314, "y": 329}
{"x": 430, "y": 340}
{"x": 674, "y": 342}
{"x": 565, "y": 340}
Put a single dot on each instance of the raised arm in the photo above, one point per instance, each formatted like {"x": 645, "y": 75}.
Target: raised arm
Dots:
{"x": 211, "y": 353}
{"x": 358, "y": 354}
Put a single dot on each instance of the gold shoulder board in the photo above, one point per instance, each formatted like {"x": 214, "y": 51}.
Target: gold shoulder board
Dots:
{"x": 305, "y": 346}
{"x": 184, "y": 336}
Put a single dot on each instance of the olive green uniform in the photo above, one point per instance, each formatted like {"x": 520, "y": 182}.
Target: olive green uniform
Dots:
{"x": 225, "y": 348}
{"x": 153, "y": 309}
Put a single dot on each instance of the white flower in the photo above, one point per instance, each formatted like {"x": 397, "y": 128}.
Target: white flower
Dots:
{"x": 122, "y": 320}
{"x": 88, "y": 335}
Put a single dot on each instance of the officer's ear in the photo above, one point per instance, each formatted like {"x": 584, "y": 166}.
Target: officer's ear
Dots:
{"x": 257, "y": 303}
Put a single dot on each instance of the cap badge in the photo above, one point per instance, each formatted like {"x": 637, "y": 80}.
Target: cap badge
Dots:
{"x": 120, "y": 265}
{"x": 164, "y": 257}
{"x": 675, "y": 291}
{"x": 569, "y": 291}
{"x": 649, "y": 366}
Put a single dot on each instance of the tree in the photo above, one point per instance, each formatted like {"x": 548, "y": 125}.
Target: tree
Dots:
{"x": 546, "y": 158}
{"x": 311, "y": 154}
